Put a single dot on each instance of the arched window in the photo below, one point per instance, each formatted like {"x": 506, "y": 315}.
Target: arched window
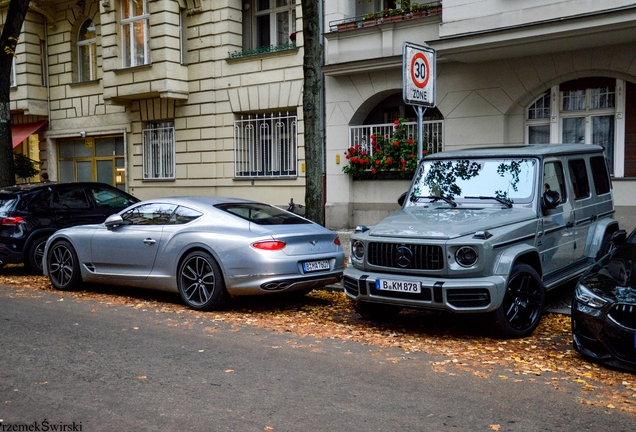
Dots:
{"x": 539, "y": 120}
{"x": 580, "y": 111}
{"x": 86, "y": 52}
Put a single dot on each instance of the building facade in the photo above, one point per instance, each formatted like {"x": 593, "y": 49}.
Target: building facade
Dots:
{"x": 164, "y": 97}
{"x": 508, "y": 73}
{"x": 204, "y": 97}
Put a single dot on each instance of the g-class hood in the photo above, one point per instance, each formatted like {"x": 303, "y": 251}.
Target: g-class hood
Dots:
{"x": 446, "y": 222}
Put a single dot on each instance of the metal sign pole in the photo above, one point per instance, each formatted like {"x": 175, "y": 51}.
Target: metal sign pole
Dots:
{"x": 420, "y": 131}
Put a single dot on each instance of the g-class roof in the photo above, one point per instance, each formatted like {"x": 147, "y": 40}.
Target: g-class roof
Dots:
{"x": 533, "y": 150}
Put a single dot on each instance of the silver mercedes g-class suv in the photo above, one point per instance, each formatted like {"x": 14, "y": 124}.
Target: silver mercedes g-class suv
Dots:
{"x": 486, "y": 231}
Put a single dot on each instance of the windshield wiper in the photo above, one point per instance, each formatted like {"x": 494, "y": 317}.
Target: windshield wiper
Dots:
{"x": 505, "y": 201}
{"x": 436, "y": 198}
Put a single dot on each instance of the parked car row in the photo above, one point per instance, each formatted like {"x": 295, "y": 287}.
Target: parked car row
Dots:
{"x": 30, "y": 213}
{"x": 484, "y": 231}
{"x": 206, "y": 248}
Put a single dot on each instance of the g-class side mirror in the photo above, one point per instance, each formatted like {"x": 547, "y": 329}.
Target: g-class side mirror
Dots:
{"x": 401, "y": 199}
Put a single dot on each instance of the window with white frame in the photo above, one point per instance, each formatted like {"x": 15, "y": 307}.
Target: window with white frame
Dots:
{"x": 86, "y": 52}
{"x": 580, "y": 111}
{"x": 159, "y": 151}
{"x": 12, "y": 78}
{"x": 266, "y": 146}
{"x": 43, "y": 64}
{"x": 369, "y": 6}
{"x": 134, "y": 33}
{"x": 275, "y": 23}
{"x": 183, "y": 48}
{"x": 539, "y": 120}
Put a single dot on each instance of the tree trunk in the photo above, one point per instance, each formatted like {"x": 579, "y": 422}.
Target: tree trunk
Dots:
{"x": 8, "y": 41}
{"x": 312, "y": 91}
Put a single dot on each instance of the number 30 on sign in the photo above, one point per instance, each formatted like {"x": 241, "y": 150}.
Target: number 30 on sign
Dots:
{"x": 419, "y": 75}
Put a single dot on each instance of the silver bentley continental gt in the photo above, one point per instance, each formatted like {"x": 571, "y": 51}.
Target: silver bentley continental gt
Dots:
{"x": 206, "y": 248}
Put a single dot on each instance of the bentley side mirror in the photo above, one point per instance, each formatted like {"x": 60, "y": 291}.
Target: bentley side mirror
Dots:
{"x": 113, "y": 221}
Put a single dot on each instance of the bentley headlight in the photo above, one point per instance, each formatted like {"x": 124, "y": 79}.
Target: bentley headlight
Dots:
{"x": 466, "y": 256}
{"x": 587, "y": 297}
{"x": 357, "y": 249}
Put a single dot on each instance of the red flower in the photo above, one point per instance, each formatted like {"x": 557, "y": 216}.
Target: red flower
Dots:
{"x": 403, "y": 161}
{"x": 424, "y": 152}
{"x": 410, "y": 141}
{"x": 396, "y": 143}
{"x": 389, "y": 160}
{"x": 373, "y": 136}
{"x": 348, "y": 156}
{"x": 396, "y": 122}
{"x": 373, "y": 170}
{"x": 411, "y": 155}
{"x": 377, "y": 161}
{"x": 403, "y": 168}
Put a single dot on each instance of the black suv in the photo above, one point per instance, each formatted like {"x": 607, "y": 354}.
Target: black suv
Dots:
{"x": 30, "y": 213}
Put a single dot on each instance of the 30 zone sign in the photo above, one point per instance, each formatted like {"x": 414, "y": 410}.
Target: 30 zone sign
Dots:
{"x": 419, "y": 75}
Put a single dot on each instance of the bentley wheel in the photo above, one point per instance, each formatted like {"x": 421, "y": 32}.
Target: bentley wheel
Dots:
{"x": 522, "y": 306}
{"x": 63, "y": 266}
{"x": 201, "y": 282}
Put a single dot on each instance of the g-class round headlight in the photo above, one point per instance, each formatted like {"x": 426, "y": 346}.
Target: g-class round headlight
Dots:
{"x": 357, "y": 249}
{"x": 466, "y": 256}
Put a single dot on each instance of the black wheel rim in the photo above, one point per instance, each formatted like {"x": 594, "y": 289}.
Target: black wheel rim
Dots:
{"x": 38, "y": 254}
{"x": 60, "y": 266}
{"x": 197, "y": 281}
{"x": 522, "y": 303}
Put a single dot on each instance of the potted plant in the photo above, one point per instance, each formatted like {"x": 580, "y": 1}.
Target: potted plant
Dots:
{"x": 392, "y": 155}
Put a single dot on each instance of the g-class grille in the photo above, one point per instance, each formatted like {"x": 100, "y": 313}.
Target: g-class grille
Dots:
{"x": 406, "y": 256}
{"x": 624, "y": 314}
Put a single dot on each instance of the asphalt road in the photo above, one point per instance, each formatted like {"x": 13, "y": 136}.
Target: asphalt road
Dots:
{"x": 90, "y": 366}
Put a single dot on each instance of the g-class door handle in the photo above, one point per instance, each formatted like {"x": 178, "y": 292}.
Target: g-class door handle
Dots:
{"x": 149, "y": 241}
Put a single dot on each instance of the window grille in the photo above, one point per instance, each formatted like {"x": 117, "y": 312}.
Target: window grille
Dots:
{"x": 159, "y": 151}
{"x": 266, "y": 146}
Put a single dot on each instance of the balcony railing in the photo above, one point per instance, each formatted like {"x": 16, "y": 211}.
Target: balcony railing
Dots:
{"x": 262, "y": 50}
{"x": 432, "y": 135}
{"x": 386, "y": 15}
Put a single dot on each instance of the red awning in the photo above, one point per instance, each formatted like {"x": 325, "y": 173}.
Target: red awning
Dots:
{"x": 20, "y": 132}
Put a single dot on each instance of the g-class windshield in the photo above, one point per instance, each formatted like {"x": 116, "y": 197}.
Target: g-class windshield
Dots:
{"x": 504, "y": 181}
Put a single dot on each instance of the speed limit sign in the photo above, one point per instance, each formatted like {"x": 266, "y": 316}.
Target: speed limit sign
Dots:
{"x": 419, "y": 75}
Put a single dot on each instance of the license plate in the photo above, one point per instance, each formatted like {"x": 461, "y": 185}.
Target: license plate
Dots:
{"x": 399, "y": 286}
{"x": 316, "y": 266}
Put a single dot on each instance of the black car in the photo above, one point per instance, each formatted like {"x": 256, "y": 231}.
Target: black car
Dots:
{"x": 30, "y": 213}
{"x": 604, "y": 308}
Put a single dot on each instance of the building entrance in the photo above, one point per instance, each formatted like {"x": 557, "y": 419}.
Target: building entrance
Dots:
{"x": 93, "y": 159}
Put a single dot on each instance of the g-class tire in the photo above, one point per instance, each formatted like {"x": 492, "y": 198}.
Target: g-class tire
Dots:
{"x": 522, "y": 305}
